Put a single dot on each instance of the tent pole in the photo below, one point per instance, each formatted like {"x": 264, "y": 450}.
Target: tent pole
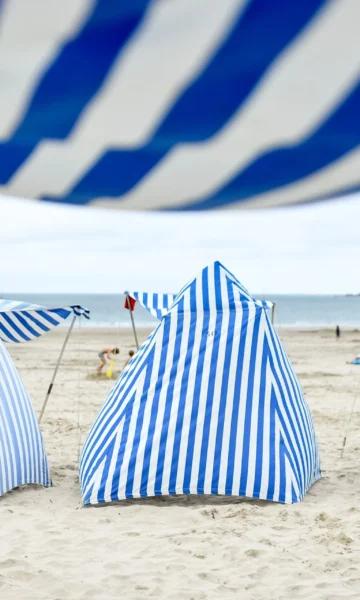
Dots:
{"x": 132, "y": 320}
{"x": 56, "y": 368}
{"x": 273, "y": 313}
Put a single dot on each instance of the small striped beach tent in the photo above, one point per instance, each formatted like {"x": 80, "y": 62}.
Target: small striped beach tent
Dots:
{"x": 209, "y": 405}
{"x": 22, "y": 454}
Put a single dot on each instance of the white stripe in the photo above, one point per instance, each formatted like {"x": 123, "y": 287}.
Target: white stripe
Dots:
{"x": 186, "y": 32}
{"x": 305, "y": 84}
{"x": 31, "y": 34}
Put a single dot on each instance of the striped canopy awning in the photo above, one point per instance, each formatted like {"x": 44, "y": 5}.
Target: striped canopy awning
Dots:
{"x": 159, "y": 304}
{"x": 23, "y": 321}
{"x": 257, "y": 104}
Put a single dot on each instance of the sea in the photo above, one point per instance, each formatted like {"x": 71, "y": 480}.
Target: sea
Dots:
{"x": 297, "y": 311}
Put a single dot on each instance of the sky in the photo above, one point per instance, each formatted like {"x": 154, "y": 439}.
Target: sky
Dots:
{"x": 56, "y": 248}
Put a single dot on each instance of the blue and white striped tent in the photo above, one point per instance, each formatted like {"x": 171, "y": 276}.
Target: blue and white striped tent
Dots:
{"x": 159, "y": 304}
{"x": 23, "y": 322}
{"x": 209, "y": 405}
{"x": 22, "y": 454}
{"x": 179, "y": 104}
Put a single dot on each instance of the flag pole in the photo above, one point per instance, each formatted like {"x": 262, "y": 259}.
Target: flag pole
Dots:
{"x": 56, "y": 368}
{"x": 273, "y": 312}
{"x": 132, "y": 319}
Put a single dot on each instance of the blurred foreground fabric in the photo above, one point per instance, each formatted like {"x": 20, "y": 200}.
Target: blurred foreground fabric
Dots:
{"x": 176, "y": 104}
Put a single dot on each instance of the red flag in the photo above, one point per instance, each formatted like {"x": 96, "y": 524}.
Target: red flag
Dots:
{"x": 129, "y": 303}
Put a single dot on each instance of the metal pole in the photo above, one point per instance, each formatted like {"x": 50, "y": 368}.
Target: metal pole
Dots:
{"x": 132, "y": 320}
{"x": 56, "y": 368}
{"x": 273, "y": 313}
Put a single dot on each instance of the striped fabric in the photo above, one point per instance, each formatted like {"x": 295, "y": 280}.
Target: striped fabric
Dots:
{"x": 209, "y": 405}
{"x": 22, "y": 455}
{"x": 22, "y": 322}
{"x": 253, "y": 106}
{"x": 159, "y": 304}
{"x": 156, "y": 304}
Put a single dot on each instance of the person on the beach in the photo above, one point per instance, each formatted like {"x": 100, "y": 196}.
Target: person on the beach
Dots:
{"x": 131, "y": 354}
{"x": 106, "y": 356}
{"x": 337, "y": 331}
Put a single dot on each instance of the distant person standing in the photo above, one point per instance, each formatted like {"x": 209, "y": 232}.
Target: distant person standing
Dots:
{"x": 131, "y": 354}
{"x": 337, "y": 330}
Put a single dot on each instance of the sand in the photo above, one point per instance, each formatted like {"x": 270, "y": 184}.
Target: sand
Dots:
{"x": 52, "y": 548}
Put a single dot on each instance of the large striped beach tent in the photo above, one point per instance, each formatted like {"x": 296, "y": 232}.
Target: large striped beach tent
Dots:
{"x": 209, "y": 405}
{"x": 22, "y": 454}
{"x": 179, "y": 104}
{"x": 23, "y": 321}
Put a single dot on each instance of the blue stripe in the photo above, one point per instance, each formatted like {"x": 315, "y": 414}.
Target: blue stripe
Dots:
{"x": 72, "y": 80}
{"x": 337, "y": 135}
{"x": 258, "y": 36}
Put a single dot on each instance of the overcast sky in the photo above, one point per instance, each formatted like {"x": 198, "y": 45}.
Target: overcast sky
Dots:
{"x": 56, "y": 248}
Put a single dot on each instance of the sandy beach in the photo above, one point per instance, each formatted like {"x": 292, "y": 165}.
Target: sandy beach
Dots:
{"x": 189, "y": 548}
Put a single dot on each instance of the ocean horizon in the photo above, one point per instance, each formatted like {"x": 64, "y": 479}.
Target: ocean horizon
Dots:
{"x": 291, "y": 310}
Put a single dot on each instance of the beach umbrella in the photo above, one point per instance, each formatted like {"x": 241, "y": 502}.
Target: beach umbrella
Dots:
{"x": 180, "y": 104}
{"x": 209, "y": 405}
{"x": 23, "y": 321}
